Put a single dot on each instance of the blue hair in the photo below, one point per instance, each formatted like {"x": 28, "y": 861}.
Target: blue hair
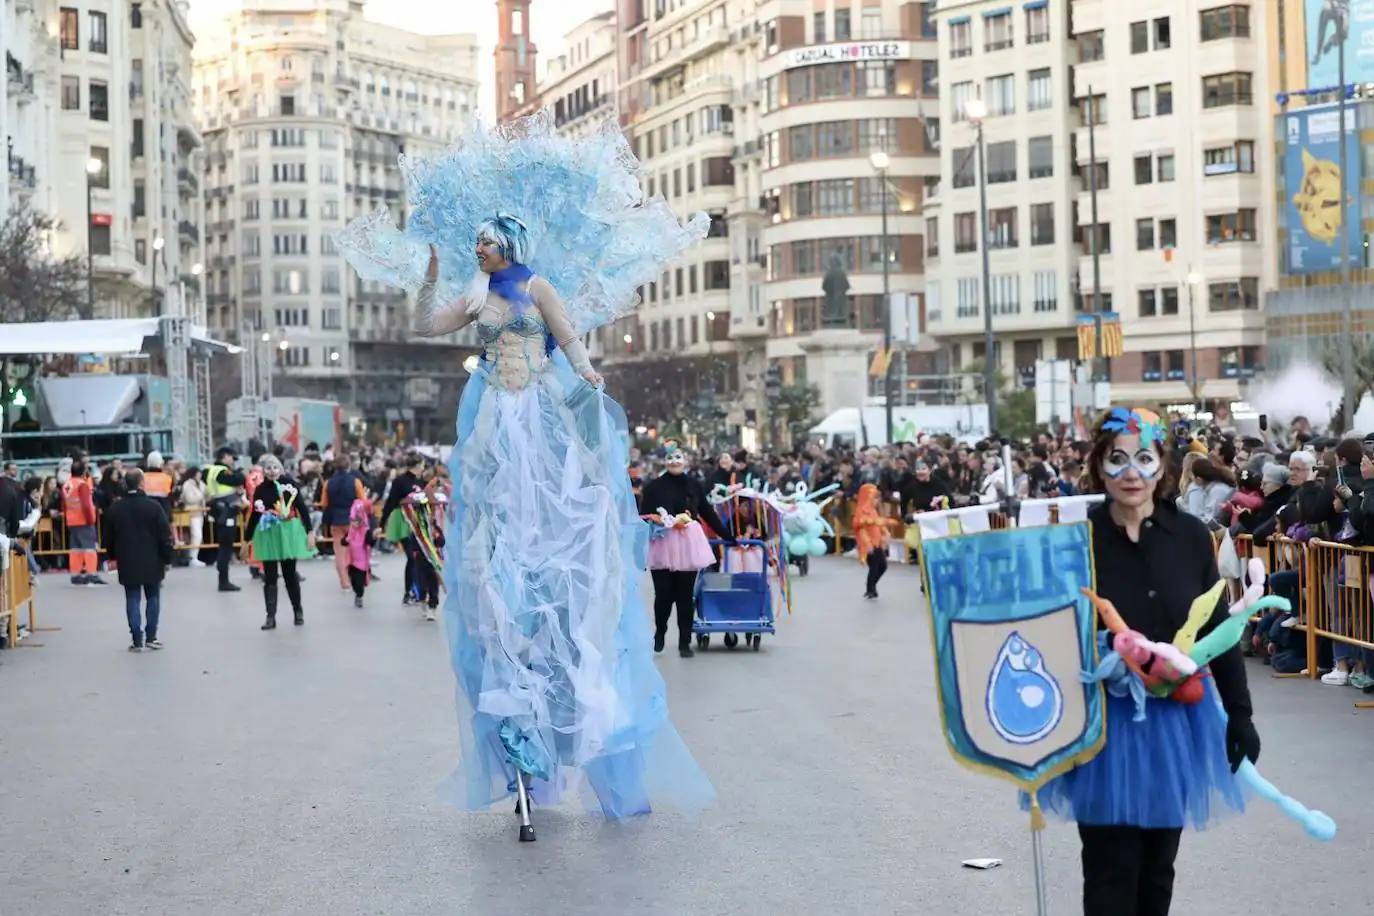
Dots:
{"x": 509, "y": 235}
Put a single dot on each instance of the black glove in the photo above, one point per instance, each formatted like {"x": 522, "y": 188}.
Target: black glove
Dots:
{"x": 1242, "y": 741}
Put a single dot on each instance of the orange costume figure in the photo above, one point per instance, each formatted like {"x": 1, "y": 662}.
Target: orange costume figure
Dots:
{"x": 870, "y": 533}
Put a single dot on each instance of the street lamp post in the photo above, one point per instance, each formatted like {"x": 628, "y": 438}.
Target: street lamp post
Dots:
{"x": 881, "y": 162}
{"x": 1347, "y": 320}
{"x": 157, "y": 254}
{"x": 93, "y": 168}
{"x": 1194, "y": 279}
{"x": 976, "y": 110}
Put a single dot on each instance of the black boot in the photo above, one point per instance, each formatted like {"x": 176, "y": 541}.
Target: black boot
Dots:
{"x": 269, "y": 597}
{"x": 299, "y": 615}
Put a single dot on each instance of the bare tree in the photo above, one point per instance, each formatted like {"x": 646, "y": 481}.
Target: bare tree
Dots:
{"x": 35, "y": 285}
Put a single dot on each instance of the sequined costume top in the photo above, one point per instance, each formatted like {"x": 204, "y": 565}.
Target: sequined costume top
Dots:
{"x": 514, "y": 342}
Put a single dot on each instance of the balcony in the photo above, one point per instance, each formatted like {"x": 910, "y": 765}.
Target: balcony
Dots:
{"x": 187, "y": 183}
{"x": 746, "y": 327}
{"x": 222, "y": 261}
{"x": 187, "y": 230}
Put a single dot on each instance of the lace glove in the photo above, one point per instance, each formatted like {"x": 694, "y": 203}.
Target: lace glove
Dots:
{"x": 576, "y": 351}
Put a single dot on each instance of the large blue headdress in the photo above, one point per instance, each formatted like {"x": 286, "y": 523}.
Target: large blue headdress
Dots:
{"x": 589, "y": 231}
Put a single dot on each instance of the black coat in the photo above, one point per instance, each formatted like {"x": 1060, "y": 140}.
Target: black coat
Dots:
{"x": 11, "y": 506}
{"x": 140, "y": 539}
{"x": 677, "y": 493}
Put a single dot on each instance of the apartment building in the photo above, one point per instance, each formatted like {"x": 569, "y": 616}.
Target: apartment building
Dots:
{"x": 839, "y": 83}
{"x": 580, "y": 84}
{"x": 100, "y": 135}
{"x": 1174, "y": 92}
{"x": 306, "y": 108}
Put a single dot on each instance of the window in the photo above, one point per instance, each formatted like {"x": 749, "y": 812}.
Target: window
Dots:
{"x": 1145, "y": 303}
{"x": 799, "y": 143}
{"x": 960, "y": 39}
{"x": 250, "y": 173}
{"x": 932, "y": 238}
{"x": 716, "y": 275}
{"x": 140, "y": 198}
{"x": 997, "y": 31}
{"x": 1140, "y": 102}
{"x": 1225, "y": 22}
{"x": 833, "y": 138}
{"x": 1231, "y": 227}
{"x": 328, "y": 173}
{"x": 136, "y": 16}
{"x": 1152, "y": 367}
{"x": 1168, "y": 233}
{"x": 960, "y": 93}
{"x": 1144, "y": 171}
{"x": 71, "y": 93}
{"x": 100, "y": 238}
{"x": 716, "y": 171}
{"x": 136, "y": 78}
{"x": 1240, "y": 362}
{"x": 99, "y": 40}
{"x": 1002, "y": 228}
{"x": 877, "y": 134}
{"x": 1173, "y": 368}
{"x": 1001, "y": 162}
{"x": 1164, "y": 99}
{"x": 818, "y": 28}
{"x": 803, "y": 202}
{"x": 1004, "y": 295}
{"x": 1226, "y": 89}
{"x": 871, "y": 23}
{"x": 835, "y": 196}
{"x": 99, "y": 100}
{"x": 1144, "y": 234}
{"x": 1140, "y": 37}
{"x": 1038, "y": 24}
{"x": 290, "y": 281}
{"x": 251, "y": 244}
{"x": 1040, "y": 157}
{"x": 1168, "y": 300}
{"x": 832, "y": 81}
{"x": 288, "y": 104}
{"x": 1046, "y": 291}
{"x": 1164, "y": 167}
{"x": 1233, "y": 295}
{"x": 1090, "y": 46}
{"x": 141, "y": 246}
{"x": 965, "y": 232}
{"x": 967, "y": 306}
{"x": 1001, "y": 94}
{"x": 1042, "y": 224}
{"x": 842, "y": 26}
{"x": 871, "y": 192}
{"x": 1162, "y": 37}
{"x": 251, "y": 209}
{"x": 70, "y": 23}
{"x": 965, "y": 167}
{"x": 930, "y": 77}
{"x": 1092, "y": 110}
{"x": 1038, "y": 92}
{"x": 1097, "y": 175}
{"x": 878, "y": 78}
{"x": 1224, "y": 160}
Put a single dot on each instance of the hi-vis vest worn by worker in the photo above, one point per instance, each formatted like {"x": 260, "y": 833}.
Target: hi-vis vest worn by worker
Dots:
{"x": 213, "y": 488}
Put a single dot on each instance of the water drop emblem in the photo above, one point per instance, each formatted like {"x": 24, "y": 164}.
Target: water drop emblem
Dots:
{"x": 1024, "y": 702}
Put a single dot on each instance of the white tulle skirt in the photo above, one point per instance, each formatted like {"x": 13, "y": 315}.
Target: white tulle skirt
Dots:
{"x": 549, "y": 640}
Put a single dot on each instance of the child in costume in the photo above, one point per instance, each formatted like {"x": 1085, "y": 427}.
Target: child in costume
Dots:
{"x": 1174, "y": 736}
{"x": 678, "y": 547}
{"x": 358, "y": 542}
{"x": 425, "y": 545}
{"x": 870, "y": 534}
{"x": 277, "y": 529}
{"x": 543, "y": 239}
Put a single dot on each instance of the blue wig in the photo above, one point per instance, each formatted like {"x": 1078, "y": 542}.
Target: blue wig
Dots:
{"x": 509, "y": 234}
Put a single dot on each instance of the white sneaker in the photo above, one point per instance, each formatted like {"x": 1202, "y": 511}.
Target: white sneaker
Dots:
{"x": 1336, "y": 677}
{"x": 196, "y": 564}
{"x": 429, "y": 613}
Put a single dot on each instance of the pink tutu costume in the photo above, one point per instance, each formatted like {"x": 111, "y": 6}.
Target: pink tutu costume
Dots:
{"x": 681, "y": 549}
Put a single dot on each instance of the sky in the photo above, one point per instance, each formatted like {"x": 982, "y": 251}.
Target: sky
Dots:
{"x": 549, "y": 21}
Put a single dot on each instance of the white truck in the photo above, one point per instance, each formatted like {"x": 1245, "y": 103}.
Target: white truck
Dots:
{"x": 868, "y": 425}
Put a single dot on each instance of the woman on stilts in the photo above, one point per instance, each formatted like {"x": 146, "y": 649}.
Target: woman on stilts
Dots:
{"x": 545, "y": 547}
{"x": 676, "y": 504}
{"x": 278, "y": 531}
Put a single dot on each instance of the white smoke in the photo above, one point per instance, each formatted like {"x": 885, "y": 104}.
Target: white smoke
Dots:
{"x": 1300, "y": 390}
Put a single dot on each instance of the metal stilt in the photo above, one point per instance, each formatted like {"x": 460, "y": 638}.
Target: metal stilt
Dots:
{"x": 1038, "y": 859}
{"x": 523, "y": 808}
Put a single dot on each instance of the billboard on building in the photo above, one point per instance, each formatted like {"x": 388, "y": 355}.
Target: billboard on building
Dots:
{"x": 1314, "y": 187}
{"x": 1328, "y": 26}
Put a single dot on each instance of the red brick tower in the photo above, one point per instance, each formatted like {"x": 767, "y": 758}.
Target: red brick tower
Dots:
{"x": 515, "y": 55}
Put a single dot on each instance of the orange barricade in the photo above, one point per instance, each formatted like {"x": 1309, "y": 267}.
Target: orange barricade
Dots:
{"x": 1337, "y": 592}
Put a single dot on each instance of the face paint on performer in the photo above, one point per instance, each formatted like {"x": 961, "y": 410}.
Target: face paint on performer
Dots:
{"x": 675, "y": 463}
{"x": 1131, "y": 470}
{"x": 489, "y": 258}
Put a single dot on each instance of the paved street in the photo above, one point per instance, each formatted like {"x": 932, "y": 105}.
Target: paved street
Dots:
{"x": 295, "y": 771}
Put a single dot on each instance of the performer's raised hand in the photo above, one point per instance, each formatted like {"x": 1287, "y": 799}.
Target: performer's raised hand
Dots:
{"x": 432, "y": 272}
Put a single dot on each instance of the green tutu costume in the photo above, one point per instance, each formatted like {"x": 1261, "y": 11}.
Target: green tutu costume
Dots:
{"x": 280, "y": 535}
{"x": 397, "y": 528}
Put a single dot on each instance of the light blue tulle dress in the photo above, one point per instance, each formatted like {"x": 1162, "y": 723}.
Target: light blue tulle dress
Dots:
{"x": 545, "y": 548}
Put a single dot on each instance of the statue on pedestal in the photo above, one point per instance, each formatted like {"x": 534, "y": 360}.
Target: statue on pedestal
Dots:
{"x": 835, "y": 307}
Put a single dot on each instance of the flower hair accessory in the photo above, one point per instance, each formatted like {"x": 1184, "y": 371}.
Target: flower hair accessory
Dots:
{"x": 1137, "y": 421}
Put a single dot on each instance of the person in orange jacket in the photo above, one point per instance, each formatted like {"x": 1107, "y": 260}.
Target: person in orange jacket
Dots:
{"x": 870, "y": 534}
{"x": 157, "y": 483}
{"x": 78, "y": 510}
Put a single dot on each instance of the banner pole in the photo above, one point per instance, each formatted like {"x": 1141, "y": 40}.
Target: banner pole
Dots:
{"x": 1037, "y": 825}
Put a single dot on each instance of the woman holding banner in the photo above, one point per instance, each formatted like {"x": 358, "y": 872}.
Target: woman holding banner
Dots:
{"x": 1171, "y": 765}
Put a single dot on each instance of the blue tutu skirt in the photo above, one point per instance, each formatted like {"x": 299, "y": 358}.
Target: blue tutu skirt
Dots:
{"x": 1169, "y": 770}
{"x": 550, "y": 642}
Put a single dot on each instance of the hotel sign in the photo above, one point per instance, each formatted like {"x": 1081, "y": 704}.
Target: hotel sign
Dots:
{"x": 846, "y": 52}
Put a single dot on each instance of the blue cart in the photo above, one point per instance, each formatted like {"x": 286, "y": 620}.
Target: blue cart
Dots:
{"x": 735, "y": 602}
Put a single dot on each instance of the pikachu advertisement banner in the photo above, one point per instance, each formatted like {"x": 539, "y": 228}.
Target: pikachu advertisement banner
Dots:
{"x": 1314, "y": 188}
